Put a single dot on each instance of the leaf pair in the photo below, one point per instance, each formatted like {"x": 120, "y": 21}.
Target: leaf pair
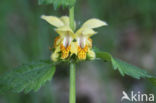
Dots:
{"x": 33, "y": 76}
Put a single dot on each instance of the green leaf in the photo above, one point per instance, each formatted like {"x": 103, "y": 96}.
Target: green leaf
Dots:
{"x": 102, "y": 55}
{"x": 123, "y": 67}
{"x": 58, "y": 3}
{"x": 27, "y": 77}
{"x": 129, "y": 69}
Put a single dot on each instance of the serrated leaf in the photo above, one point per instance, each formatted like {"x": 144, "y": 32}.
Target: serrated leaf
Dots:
{"x": 58, "y": 3}
{"x": 123, "y": 67}
{"x": 128, "y": 69}
{"x": 27, "y": 77}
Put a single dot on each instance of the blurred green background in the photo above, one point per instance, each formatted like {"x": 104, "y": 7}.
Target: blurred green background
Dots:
{"x": 130, "y": 35}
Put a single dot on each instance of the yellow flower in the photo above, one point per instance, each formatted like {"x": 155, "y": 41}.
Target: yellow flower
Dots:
{"x": 69, "y": 43}
{"x": 63, "y": 41}
{"x": 83, "y": 38}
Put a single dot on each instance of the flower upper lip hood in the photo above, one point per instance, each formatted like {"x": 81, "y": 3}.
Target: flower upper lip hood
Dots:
{"x": 64, "y": 43}
{"x": 61, "y": 24}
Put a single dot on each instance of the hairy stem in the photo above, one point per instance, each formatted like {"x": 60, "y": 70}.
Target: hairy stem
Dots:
{"x": 72, "y": 93}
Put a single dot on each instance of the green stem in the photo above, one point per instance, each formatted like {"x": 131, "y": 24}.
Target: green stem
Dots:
{"x": 72, "y": 91}
{"x": 72, "y": 94}
{"x": 71, "y": 17}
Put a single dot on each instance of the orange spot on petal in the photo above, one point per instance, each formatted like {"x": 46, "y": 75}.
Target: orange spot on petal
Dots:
{"x": 65, "y": 51}
{"x": 56, "y": 40}
{"x": 82, "y": 52}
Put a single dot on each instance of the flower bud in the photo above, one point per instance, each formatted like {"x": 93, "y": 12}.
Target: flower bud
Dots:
{"x": 55, "y": 56}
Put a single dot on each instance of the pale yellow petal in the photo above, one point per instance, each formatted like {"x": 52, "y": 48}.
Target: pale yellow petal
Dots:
{"x": 65, "y": 20}
{"x": 64, "y": 30}
{"x": 74, "y": 47}
{"x": 89, "y": 43}
{"x": 79, "y": 32}
{"x": 58, "y": 41}
{"x": 55, "y": 54}
{"x": 55, "y": 21}
{"x": 88, "y": 32}
{"x": 93, "y": 23}
{"x": 57, "y": 49}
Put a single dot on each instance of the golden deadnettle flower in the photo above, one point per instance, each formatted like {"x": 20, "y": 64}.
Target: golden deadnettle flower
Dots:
{"x": 68, "y": 42}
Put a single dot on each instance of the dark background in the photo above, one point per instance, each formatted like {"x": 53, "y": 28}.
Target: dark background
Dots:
{"x": 130, "y": 35}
